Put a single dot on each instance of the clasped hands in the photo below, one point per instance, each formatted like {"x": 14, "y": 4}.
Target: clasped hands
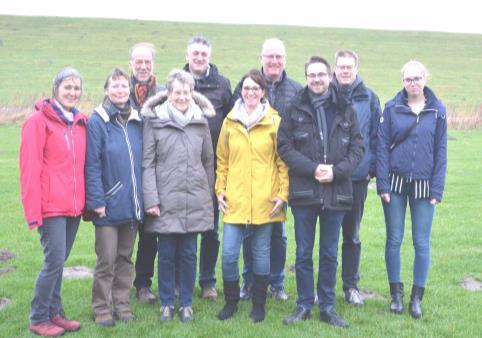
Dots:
{"x": 324, "y": 173}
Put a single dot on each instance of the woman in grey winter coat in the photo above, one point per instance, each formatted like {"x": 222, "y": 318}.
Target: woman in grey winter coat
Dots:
{"x": 178, "y": 184}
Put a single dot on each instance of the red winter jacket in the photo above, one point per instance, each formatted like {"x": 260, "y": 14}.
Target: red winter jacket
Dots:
{"x": 52, "y": 157}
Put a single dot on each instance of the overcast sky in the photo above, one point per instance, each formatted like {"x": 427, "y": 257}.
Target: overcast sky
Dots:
{"x": 428, "y": 15}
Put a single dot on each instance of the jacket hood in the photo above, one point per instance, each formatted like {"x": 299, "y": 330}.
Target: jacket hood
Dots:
{"x": 401, "y": 98}
{"x": 48, "y": 108}
{"x": 161, "y": 97}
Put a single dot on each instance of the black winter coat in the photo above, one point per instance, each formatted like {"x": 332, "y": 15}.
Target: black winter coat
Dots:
{"x": 283, "y": 92}
{"x": 300, "y": 147}
{"x": 217, "y": 89}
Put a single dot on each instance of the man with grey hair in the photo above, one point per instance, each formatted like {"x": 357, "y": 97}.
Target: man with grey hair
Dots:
{"x": 365, "y": 102}
{"x": 217, "y": 88}
{"x": 142, "y": 86}
{"x": 280, "y": 91}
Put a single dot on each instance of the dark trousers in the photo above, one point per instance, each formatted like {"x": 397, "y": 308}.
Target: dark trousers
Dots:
{"x": 146, "y": 255}
{"x": 209, "y": 254}
{"x": 351, "y": 247}
{"x": 305, "y": 229}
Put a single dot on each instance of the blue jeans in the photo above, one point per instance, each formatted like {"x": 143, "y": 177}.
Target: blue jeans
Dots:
{"x": 277, "y": 257}
{"x": 57, "y": 235}
{"x": 233, "y": 235}
{"x": 168, "y": 247}
{"x": 421, "y": 214}
{"x": 305, "y": 229}
{"x": 209, "y": 254}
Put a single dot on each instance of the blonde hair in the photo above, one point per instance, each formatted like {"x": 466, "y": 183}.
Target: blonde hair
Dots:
{"x": 419, "y": 65}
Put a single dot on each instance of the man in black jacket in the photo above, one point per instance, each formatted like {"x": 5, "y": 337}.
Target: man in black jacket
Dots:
{"x": 217, "y": 88}
{"x": 367, "y": 106}
{"x": 320, "y": 142}
{"x": 281, "y": 89}
{"x": 143, "y": 85}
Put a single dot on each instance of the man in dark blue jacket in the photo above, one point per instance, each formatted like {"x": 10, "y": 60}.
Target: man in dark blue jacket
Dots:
{"x": 281, "y": 89}
{"x": 320, "y": 142}
{"x": 367, "y": 106}
{"x": 142, "y": 86}
{"x": 217, "y": 88}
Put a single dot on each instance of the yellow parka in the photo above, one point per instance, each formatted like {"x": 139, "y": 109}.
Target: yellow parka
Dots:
{"x": 249, "y": 170}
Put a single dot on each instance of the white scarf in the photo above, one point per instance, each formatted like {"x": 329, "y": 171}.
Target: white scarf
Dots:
{"x": 182, "y": 119}
{"x": 249, "y": 120}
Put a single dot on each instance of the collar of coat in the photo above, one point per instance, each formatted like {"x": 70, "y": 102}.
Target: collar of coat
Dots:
{"x": 148, "y": 110}
{"x": 106, "y": 116}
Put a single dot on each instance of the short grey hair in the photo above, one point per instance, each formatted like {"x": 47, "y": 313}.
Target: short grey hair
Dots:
{"x": 62, "y": 75}
{"x": 149, "y": 46}
{"x": 346, "y": 53}
{"x": 417, "y": 64}
{"x": 181, "y": 76}
{"x": 269, "y": 43}
{"x": 201, "y": 40}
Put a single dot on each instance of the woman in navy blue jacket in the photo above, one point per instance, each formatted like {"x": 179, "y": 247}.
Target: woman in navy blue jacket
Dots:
{"x": 411, "y": 166}
{"x": 114, "y": 194}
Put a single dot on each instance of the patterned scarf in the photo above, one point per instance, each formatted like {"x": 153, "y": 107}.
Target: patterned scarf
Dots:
{"x": 142, "y": 89}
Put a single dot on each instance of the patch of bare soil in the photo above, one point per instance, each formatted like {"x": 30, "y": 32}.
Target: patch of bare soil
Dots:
{"x": 471, "y": 284}
{"x": 77, "y": 272}
{"x": 4, "y": 302}
{"x": 6, "y": 270}
{"x": 370, "y": 294}
{"x": 5, "y": 255}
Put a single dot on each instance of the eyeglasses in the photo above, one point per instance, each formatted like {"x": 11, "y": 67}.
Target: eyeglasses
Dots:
{"x": 253, "y": 88}
{"x": 313, "y": 76}
{"x": 415, "y": 79}
{"x": 274, "y": 56}
{"x": 345, "y": 67}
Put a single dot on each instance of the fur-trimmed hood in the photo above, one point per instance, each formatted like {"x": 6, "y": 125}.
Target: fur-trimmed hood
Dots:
{"x": 149, "y": 108}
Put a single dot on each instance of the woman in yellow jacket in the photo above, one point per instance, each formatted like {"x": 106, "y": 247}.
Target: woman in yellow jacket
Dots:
{"x": 251, "y": 187}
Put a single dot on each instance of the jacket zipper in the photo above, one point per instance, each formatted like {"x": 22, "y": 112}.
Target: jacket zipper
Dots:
{"x": 67, "y": 140}
{"x": 75, "y": 175}
{"x": 133, "y": 178}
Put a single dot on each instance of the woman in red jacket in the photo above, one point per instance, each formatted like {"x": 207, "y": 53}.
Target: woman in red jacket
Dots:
{"x": 52, "y": 156}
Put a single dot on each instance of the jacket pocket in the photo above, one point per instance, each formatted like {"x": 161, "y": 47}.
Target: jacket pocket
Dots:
{"x": 302, "y": 194}
{"x": 344, "y": 199}
{"x": 112, "y": 191}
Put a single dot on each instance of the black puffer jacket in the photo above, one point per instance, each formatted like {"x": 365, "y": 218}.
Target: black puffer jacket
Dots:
{"x": 283, "y": 91}
{"x": 300, "y": 147}
{"x": 217, "y": 89}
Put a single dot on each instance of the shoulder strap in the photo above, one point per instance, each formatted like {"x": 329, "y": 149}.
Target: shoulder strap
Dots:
{"x": 406, "y": 133}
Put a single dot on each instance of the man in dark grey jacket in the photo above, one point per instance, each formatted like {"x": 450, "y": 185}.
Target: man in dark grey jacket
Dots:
{"x": 143, "y": 85}
{"x": 217, "y": 88}
{"x": 365, "y": 102}
{"x": 320, "y": 142}
{"x": 280, "y": 91}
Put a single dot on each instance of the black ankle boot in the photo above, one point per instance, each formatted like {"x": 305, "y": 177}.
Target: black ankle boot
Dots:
{"x": 396, "y": 290}
{"x": 415, "y": 306}
{"x": 260, "y": 286}
{"x": 231, "y": 296}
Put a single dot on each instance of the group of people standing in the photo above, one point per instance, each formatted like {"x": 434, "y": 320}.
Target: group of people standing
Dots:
{"x": 164, "y": 160}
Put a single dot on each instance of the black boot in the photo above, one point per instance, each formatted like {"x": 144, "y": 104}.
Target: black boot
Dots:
{"x": 260, "y": 286}
{"x": 396, "y": 290}
{"x": 231, "y": 296}
{"x": 415, "y": 306}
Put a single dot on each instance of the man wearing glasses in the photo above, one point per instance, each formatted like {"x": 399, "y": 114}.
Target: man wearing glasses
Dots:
{"x": 280, "y": 91}
{"x": 367, "y": 106}
{"x": 320, "y": 142}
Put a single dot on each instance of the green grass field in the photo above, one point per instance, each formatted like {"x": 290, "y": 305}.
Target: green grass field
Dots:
{"x": 450, "y": 311}
{"x": 32, "y": 50}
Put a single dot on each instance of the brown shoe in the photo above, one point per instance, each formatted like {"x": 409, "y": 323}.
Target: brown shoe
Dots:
{"x": 124, "y": 317}
{"x": 46, "y": 329}
{"x": 145, "y": 296}
{"x": 104, "y": 320}
{"x": 66, "y": 324}
{"x": 209, "y": 293}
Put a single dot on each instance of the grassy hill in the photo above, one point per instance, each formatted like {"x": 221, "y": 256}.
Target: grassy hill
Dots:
{"x": 33, "y": 49}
